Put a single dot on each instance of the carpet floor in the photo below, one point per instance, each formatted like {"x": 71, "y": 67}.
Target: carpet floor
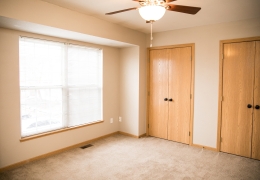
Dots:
{"x": 122, "y": 157}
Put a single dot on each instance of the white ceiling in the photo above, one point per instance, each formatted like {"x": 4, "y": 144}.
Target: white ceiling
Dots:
{"x": 212, "y": 12}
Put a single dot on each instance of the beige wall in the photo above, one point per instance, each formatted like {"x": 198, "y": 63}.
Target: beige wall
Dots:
{"x": 43, "y": 13}
{"x": 129, "y": 90}
{"x": 142, "y": 89}
{"x": 117, "y": 85}
{"x": 206, "y": 39}
{"x": 11, "y": 149}
{"x": 40, "y": 12}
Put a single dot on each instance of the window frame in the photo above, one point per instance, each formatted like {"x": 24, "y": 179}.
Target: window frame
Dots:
{"x": 65, "y": 91}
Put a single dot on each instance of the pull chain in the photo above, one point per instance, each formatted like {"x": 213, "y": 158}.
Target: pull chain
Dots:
{"x": 151, "y": 45}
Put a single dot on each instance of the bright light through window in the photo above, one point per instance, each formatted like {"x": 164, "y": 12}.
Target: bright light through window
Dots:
{"x": 61, "y": 85}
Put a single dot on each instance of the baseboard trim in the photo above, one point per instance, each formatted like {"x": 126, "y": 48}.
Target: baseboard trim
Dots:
{"x": 131, "y": 135}
{"x": 12, "y": 166}
{"x": 142, "y": 135}
{"x": 204, "y": 147}
{"x": 127, "y": 134}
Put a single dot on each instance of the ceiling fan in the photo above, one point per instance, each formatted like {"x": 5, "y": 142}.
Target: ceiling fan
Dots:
{"x": 152, "y": 10}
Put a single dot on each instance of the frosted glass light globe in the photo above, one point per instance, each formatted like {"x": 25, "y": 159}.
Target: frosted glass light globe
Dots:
{"x": 151, "y": 12}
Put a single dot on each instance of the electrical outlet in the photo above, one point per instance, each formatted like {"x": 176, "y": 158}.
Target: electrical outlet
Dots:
{"x": 111, "y": 120}
{"x": 120, "y": 119}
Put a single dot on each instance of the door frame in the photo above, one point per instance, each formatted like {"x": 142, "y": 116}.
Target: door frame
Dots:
{"x": 220, "y": 92}
{"x": 192, "y": 45}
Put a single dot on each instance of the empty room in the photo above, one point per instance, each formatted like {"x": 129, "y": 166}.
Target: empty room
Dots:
{"x": 129, "y": 89}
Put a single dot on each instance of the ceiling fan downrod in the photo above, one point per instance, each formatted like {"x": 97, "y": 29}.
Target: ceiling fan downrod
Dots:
{"x": 151, "y": 44}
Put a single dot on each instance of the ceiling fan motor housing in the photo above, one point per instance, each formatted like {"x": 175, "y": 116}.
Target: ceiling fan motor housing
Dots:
{"x": 152, "y": 3}
{"x": 154, "y": 7}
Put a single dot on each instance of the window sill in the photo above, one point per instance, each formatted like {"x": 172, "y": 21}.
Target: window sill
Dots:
{"x": 57, "y": 131}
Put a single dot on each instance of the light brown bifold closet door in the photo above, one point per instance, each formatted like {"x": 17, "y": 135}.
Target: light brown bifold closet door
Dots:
{"x": 158, "y": 107}
{"x": 169, "y": 100}
{"x": 179, "y": 92}
{"x": 256, "y": 117}
{"x": 238, "y": 98}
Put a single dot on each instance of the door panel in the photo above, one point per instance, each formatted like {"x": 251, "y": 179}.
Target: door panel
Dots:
{"x": 158, "y": 108}
{"x": 238, "y": 81}
{"x": 179, "y": 91}
{"x": 256, "y": 118}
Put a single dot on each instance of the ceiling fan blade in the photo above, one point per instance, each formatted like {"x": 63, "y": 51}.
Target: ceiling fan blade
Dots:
{"x": 123, "y": 10}
{"x": 168, "y": 1}
{"x": 183, "y": 9}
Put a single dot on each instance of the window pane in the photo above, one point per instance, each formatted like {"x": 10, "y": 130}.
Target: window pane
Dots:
{"x": 40, "y": 63}
{"x": 84, "y": 66}
{"x": 85, "y": 85}
{"x": 56, "y": 90}
{"x": 84, "y": 106}
{"x": 41, "y": 110}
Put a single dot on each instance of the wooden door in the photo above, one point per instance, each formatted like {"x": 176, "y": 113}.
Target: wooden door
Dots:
{"x": 179, "y": 92}
{"x": 256, "y": 117}
{"x": 238, "y": 84}
{"x": 158, "y": 108}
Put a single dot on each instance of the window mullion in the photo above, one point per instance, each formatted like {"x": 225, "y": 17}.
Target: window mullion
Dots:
{"x": 65, "y": 87}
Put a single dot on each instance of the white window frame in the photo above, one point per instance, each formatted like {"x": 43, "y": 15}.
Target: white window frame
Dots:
{"x": 65, "y": 92}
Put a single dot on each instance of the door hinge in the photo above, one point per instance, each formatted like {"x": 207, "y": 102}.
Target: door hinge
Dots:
{"x": 189, "y": 133}
{"x": 191, "y": 96}
{"x": 222, "y": 56}
{"x": 148, "y": 93}
{"x": 222, "y": 99}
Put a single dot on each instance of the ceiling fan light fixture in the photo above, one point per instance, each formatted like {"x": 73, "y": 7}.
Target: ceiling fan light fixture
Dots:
{"x": 152, "y": 12}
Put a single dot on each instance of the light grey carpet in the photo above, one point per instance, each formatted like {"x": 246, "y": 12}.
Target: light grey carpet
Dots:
{"x": 123, "y": 157}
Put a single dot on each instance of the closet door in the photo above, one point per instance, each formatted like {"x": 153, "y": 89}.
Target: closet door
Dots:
{"x": 237, "y": 104}
{"x": 256, "y": 117}
{"x": 158, "y": 107}
{"x": 179, "y": 92}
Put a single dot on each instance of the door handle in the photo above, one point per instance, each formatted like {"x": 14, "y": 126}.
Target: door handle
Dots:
{"x": 249, "y": 106}
{"x": 257, "y": 106}
{"x": 170, "y": 99}
{"x": 165, "y": 99}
